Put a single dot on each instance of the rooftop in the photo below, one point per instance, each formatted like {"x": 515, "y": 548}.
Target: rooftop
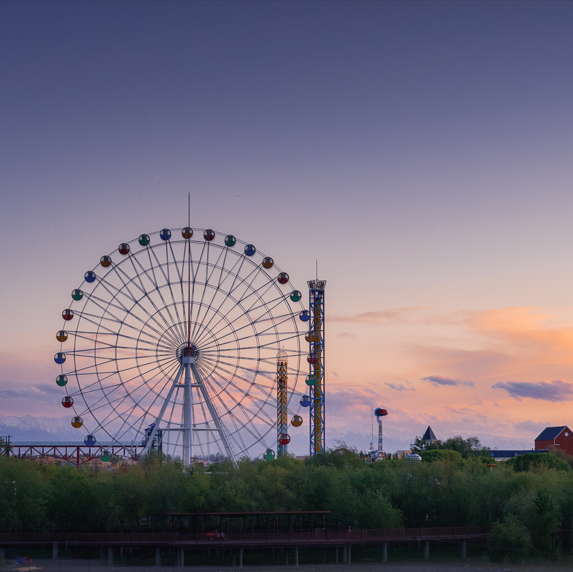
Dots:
{"x": 550, "y": 433}
{"x": 429, "y": 435}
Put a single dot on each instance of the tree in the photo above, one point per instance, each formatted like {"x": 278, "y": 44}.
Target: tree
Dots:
{"x": 531, "y": 461}
{"x": 420, "y": 444}
{"x": 470, "y": 447}
{"x": 509, "y": 540}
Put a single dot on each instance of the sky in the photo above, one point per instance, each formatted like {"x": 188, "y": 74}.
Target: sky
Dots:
{"x": 421, "y": 152}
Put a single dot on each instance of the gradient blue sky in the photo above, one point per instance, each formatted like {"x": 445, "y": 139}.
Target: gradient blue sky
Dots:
{"x": 421, "y": 151}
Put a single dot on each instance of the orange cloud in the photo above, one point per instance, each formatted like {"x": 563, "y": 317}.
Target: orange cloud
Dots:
{"x": 527, "y": 326}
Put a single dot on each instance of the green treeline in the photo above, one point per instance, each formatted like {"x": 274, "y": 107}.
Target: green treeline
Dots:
{"x": 528, "y": 501}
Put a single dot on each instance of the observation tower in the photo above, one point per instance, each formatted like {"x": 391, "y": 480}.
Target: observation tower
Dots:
{"x": 380, "y": 413}
{"x": 316, "y": 360}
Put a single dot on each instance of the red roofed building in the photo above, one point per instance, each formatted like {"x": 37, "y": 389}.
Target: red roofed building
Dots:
{"x": 561, "y": 437}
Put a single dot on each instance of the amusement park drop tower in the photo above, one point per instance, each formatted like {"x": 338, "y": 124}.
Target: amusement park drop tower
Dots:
{"x": 315, "y": 338}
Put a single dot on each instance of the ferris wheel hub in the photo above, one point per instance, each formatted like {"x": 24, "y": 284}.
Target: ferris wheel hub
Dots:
{"x": 188, "y": 353}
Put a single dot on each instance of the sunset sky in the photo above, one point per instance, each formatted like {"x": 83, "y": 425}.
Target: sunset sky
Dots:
{"x": 421, "y": 152}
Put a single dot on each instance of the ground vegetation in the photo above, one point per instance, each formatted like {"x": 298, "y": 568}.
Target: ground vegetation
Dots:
{"x": 528, "y": 502}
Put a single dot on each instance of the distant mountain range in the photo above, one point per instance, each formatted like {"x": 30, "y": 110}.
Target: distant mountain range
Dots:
{"x": 29, "y": 428}
{"x": 55, "y": 429}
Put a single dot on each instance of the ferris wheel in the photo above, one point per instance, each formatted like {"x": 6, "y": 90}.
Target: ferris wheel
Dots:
{"x": 171, "y": 341}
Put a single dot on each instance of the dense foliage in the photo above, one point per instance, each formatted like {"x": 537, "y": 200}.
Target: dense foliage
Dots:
{"x": 529, "y": 503}
{"x": 469, "y": 447}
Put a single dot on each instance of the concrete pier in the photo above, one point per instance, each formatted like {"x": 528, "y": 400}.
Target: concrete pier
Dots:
{"x": 426, "y": 550}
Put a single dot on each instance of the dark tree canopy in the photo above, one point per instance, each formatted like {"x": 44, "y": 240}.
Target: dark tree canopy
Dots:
{"x": 528, "y": 500}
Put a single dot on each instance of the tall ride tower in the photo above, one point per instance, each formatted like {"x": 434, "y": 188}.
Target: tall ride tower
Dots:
{"x": 380, "y": 412}
{"x": 316, "y": 357}
{"x": 282, "y": 403}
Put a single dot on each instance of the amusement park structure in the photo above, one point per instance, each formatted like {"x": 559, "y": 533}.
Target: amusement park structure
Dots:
{"x": 316, "y": 360}
{"x": 189, "y": 342}
{"x": 380, "y": 413}
{"x": 283, "y": 437}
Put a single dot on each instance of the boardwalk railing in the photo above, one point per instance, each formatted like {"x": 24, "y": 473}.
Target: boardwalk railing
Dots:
{"x": 320, "y": 537}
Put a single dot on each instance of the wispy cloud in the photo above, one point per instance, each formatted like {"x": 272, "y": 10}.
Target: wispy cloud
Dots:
{"x": 37, "y": 391}
{"x": 556, "y": 390}
{"x": 530, "y": 426}
{"x": 438, "y": 380}
{"x": 379, "y": 317}
{"x": 399, "y": 387}
{"x": 460, "y": 411}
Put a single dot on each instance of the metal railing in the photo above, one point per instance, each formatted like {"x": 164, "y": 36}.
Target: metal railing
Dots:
{"x": 251, "y": 538}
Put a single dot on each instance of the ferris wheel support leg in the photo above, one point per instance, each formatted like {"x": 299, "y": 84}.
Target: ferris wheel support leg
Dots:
{"x": 187, "y": 416}
{"x": 162, "y": 412}
{"x": 213, "y": 414}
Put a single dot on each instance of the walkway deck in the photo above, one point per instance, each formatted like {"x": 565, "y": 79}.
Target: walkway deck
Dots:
{"x": 251, "y": 540}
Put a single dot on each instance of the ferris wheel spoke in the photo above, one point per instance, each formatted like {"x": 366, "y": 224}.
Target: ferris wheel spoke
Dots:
{"x": 240, "y": 390}
{"x": 158, "y": 290}
{"x": 89, "y": 370}
{"x": 151, "y": 277}
{"x": 194, "y": 273}
{"x": 99, "y": 384}
{"x": 139, "y": 273}
{"x": 251, "y": 428}
{"x": 208, "y": 276}
{"x": 235, "y": 275}
{"x": 170, "y": 379}
{"x": 89, "y": 336}
{"x": 114, "y": 291}
{"x": 138, "y": 302}
{"x": 267, "y": 374}
{"x": 103, "y": 305}
{"x": 126, "y": 282}
{"x": 210, "y": 269}
{"x": 114, "y": 414}
{"x": 283, "y": 319}
{"x": 150, "y": 390}
{"x": 185, "y": 303}
{"x": 266, "y": 392}
{"x": 229, "y": 295}
{"x": 169, "y": 248}
{"x": 98, "y": 322}
{"x": 235, "y": 422}
{"x": 245, "y": 313}
{"x": 100, "y": 345}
